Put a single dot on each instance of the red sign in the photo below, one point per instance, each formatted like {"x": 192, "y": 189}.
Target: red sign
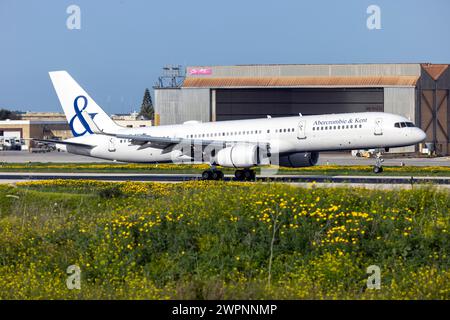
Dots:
{"x": 200, "y": 71}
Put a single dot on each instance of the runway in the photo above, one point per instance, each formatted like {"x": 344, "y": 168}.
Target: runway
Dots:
{"x": 332, "y": 158}
{"x": 12, "y": 177}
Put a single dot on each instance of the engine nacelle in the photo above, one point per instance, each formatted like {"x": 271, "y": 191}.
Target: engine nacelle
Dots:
{"x": 299, "y": 159}
{"x": 238, "y": 156}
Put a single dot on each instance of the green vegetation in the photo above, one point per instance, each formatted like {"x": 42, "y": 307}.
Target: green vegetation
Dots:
{"x": 7, "y": 114}
{"x": 147, "y": 110}
{"x": 331, "y": 170}
{"x": 215, "y": 240}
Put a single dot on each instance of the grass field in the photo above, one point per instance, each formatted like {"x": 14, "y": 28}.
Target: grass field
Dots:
{"x": 215, "y": 240}
{"x": 198, "y": 168}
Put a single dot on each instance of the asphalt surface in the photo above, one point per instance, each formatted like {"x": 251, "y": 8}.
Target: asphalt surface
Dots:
{"x": 341, "y": 158}
{"x": 8, "y": 177}
{"x": 382, "y": 182}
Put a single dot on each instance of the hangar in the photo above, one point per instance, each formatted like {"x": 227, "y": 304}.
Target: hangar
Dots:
{"x": 417, "y": 91}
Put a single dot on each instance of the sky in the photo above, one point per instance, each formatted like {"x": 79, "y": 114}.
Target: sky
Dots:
{"x": 122, "y": 45}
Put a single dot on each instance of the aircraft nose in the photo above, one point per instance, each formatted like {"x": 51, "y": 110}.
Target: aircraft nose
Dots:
{"x": 421, "y": 135}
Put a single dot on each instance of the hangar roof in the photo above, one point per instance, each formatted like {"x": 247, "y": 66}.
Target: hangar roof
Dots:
{"x": 306, "y": 81}
{"x": 435, "y": 70}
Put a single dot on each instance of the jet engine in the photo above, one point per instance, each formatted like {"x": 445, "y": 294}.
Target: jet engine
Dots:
{"x": 238, "y": 156}
{"x": 299, "y": 159}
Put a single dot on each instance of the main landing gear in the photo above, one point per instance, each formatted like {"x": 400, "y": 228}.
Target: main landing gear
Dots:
{"x": 212, "y": 174}
{"x": 378, "y": 167}
{"x": 240, "y": 175}
{"x": 245, "y": 175}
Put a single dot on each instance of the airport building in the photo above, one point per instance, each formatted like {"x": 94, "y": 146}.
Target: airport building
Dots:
{"x": 131, "y": 120}
{"x": 26, "y": 129}
{"x": 216, "y": 93}
{"x": 52, "y": 125}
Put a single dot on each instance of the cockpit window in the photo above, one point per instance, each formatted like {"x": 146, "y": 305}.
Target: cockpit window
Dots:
{"x": 403, "y": 124}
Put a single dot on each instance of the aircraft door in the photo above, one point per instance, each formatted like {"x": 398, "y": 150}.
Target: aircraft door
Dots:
{"x": 378, "y": 126}
{"x": 111, "y": 145}
{"x": 301, "y": 133}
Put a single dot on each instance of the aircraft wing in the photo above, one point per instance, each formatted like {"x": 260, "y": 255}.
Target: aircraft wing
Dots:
{"x": 163, "y": 142}
{"x": 70, "y": 143}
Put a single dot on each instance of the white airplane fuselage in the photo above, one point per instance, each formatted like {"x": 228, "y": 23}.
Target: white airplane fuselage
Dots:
{"x": 345, "y": 131}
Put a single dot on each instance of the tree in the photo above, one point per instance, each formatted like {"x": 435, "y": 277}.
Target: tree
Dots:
{"x": 147, "y": 110}
{"x": 7, "y": 114}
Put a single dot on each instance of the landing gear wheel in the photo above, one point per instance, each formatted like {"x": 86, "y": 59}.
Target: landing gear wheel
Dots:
{"x": 249, "y": 175}
{"x": 245, "y": 175}
{"x": 239, "y": 175}
{"x": 212, "y": 175}
{"x": 377, "y": 169}
{"x": 207, "y": 175}
{"x": 217, "y": 175}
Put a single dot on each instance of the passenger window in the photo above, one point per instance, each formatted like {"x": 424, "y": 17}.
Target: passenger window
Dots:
{"x": 402, "y": 124}
{"x": 410, "y": 124}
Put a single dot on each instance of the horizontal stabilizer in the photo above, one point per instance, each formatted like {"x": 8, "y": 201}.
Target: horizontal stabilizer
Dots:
{"x": 65, "y": 142}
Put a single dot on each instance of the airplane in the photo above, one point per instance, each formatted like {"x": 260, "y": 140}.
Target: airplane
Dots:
{"x": 294, "y": 141}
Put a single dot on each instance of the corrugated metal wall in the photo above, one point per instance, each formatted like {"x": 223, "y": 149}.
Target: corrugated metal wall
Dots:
{"x": 401, "y": 101}
{"x": 167, "y": 105}
{"x": 175, "y": 106}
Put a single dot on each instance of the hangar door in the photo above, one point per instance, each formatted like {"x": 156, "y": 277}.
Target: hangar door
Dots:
{"x": 233, "y": 104}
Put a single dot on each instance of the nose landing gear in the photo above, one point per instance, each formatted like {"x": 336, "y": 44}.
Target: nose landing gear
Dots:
{"x": 378, "y": 168}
